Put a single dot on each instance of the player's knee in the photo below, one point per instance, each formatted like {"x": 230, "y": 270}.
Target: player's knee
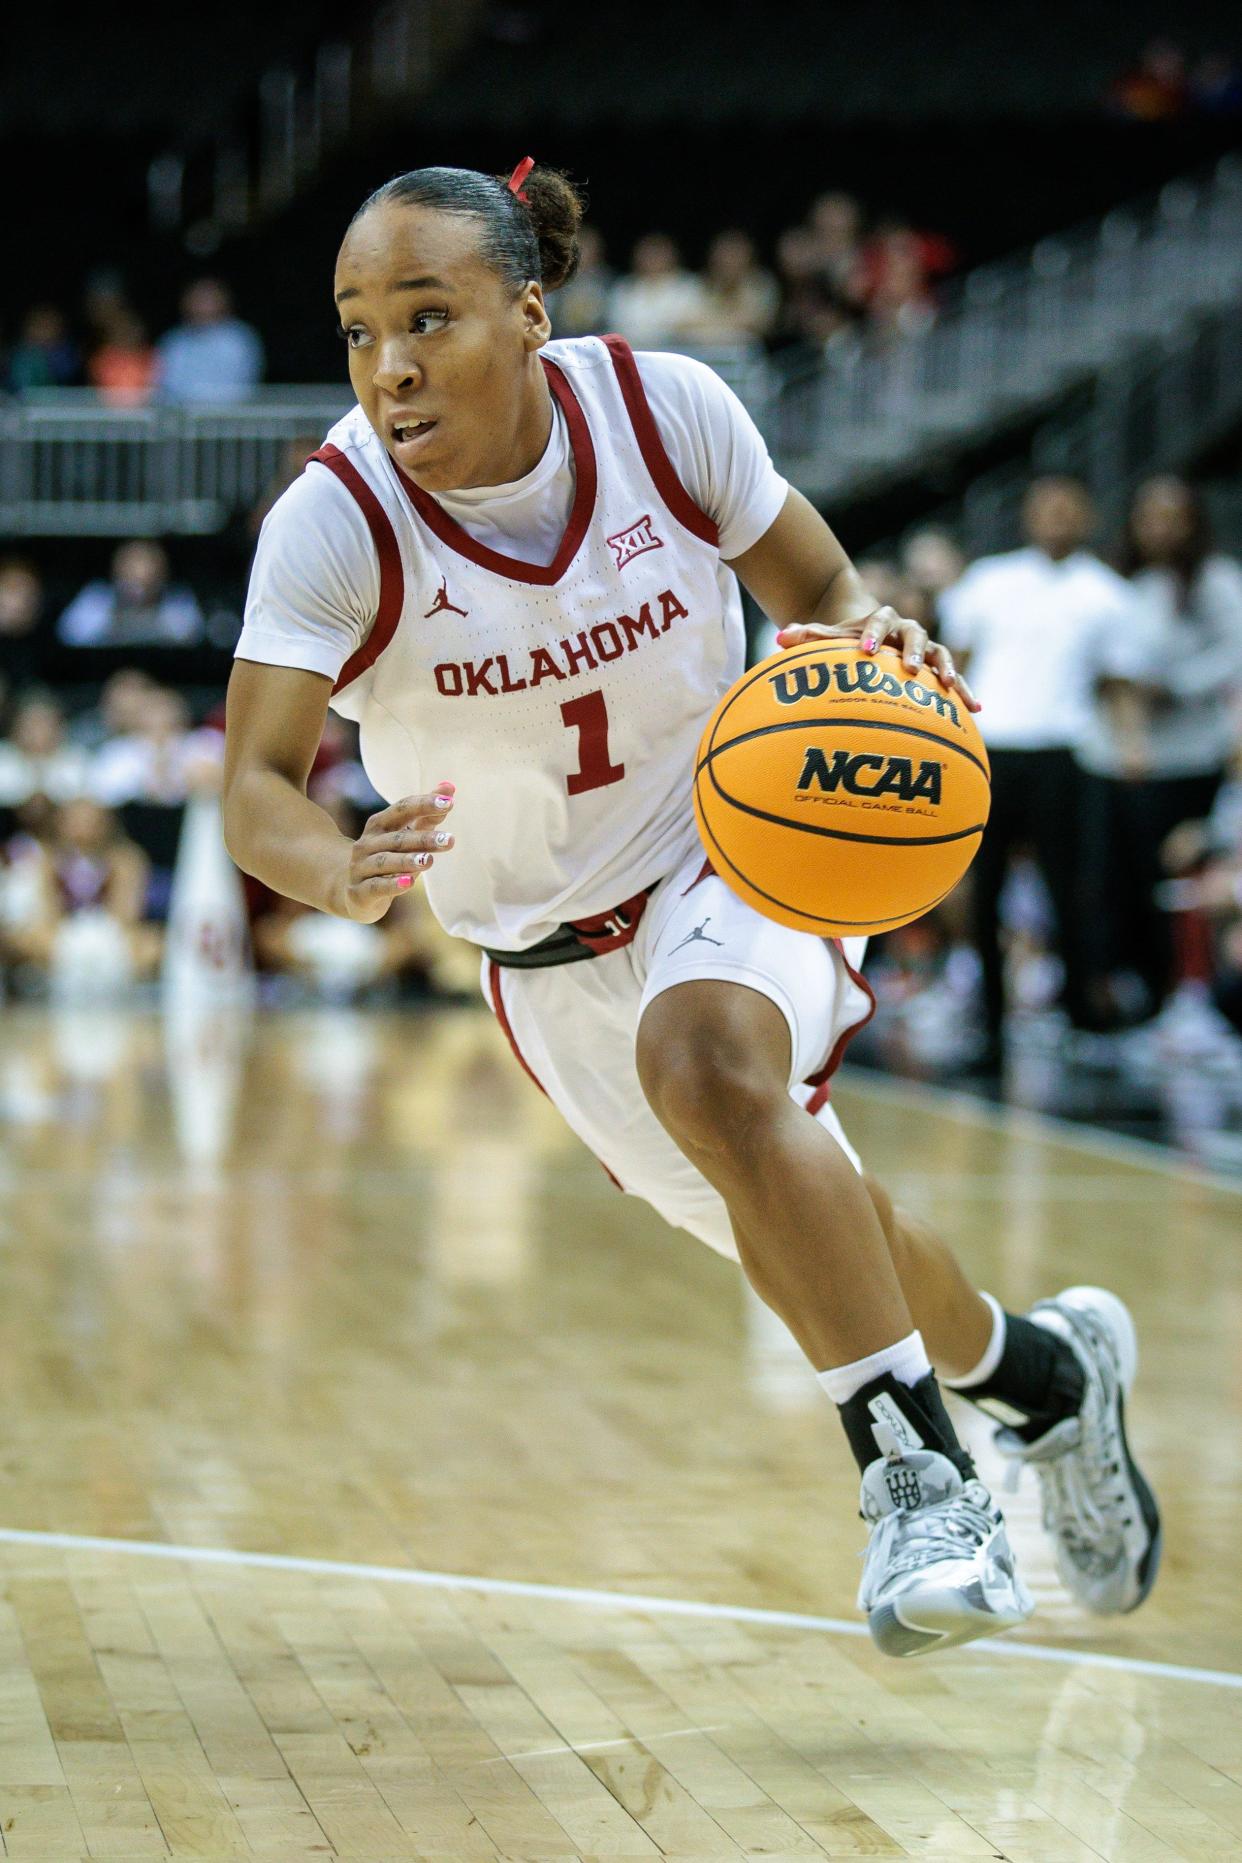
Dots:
{"x": 709, "y": 1086}
{"x": 882, "y": 1203}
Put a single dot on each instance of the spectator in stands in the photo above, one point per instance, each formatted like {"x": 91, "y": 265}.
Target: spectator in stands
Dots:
{"x": 740, "y": 298}
{"x": 815, "y": 323}
{"x": 931, "y": 562}
{"x": 37, "y": 757}
{"x": 896, "y": 274}
{"x": 1037, "y": 705}
{"x": 45, "y": 355}
{"x": 1208, "y": 898}
{"x": 156, "y": 761}
{"x": 583, "y": 307}
{"x": 123, "y": 365}
{"x": 834, "y": 236}
{"x": 1189, "y": 626}
{"x": 22, "y": 650}
{"x": 137, "y": 607}
{"x": 1155, "y": 90}
{"x": 1216, "y": 85}
{"x": 659, "y": 302}
{"x": 119, "y": 712}
{"x": 85, "y": 919}
{"x": 24, "y": 873}
{"x": 881, "y": 578}
{"x": 103, "y": 297}
{"x": 211, "y": 355}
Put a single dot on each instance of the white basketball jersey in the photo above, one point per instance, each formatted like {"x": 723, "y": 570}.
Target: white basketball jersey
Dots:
{"x": 565, "y": 702}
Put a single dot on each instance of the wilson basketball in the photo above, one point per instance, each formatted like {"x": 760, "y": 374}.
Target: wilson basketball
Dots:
{"x": 838, "y": 793}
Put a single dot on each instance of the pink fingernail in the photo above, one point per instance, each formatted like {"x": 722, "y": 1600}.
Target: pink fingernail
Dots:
{"x": 450, "y": 787}
{"x": 869, "y": 645}
{"x": 404, "y": 880}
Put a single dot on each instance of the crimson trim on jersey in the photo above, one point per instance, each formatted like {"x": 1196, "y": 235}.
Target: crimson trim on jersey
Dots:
{"x": 822, "y": 1081}
{"x": 502, "y": 1016}
{"x": 651, "y": 446}
{"x": 449, "y": 531}
{"x": 392, "y": 579}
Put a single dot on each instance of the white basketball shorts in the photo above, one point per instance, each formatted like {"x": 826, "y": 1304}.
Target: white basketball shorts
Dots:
{"x": 573, "y": 1027}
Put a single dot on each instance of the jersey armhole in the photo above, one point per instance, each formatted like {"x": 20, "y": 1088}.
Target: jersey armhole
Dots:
{"x": 651, "y": 446}
{"x": 387, "y": 550}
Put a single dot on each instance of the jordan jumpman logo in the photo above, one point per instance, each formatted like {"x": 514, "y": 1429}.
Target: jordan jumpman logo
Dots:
{"x": 442, "y": 604}
{"x": 699, "y": 936}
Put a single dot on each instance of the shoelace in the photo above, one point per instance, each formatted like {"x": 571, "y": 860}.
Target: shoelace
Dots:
{"x": 1085, "y": 1509}
{"x": 1084, "y": 1497}
{"x": 964, "y": 1520}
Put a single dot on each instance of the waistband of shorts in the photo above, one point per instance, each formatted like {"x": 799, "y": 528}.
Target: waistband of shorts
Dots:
{"x": 581, "y": 939}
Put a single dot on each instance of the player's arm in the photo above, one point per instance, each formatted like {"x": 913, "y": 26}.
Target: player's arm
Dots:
{"x": 273, "y": 830}
{"x": 804, "y": 581}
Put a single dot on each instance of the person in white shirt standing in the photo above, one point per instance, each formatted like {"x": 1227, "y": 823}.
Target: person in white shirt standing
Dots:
{"x": 658, "y": 304}
{"x": 1188, "y": 727}
{"x": 1036, "y": 710}
{"x": 515, "y": 563}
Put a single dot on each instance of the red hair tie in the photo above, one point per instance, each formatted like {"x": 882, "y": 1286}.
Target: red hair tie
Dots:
{"x": 518, "y": 176}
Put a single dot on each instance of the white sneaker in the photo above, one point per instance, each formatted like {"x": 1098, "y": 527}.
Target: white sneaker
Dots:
{"x": 938, "y": 1568}
{"x": 1098, "y": 1508}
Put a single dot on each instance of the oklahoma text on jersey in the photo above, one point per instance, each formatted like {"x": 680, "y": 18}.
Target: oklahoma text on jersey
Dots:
{"x": 600, "y": 666}
{"x": 581, "y": 654}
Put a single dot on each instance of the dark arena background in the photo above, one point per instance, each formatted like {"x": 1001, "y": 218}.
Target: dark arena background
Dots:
{"x": 375, "y": 1481}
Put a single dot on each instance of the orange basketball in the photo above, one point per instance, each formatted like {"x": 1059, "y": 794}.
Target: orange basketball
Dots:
{"x": 838, "y": 793}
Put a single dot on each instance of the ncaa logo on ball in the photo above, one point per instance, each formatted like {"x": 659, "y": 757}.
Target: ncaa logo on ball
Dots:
{"x": 864, "y": 774}
{"x": 838, "y": 792}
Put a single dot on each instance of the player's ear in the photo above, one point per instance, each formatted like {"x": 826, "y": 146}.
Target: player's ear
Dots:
{"x": 536, "y": 324}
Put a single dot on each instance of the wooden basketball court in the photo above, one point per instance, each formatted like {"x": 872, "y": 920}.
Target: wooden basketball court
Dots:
{"x": 377, "y": 1482}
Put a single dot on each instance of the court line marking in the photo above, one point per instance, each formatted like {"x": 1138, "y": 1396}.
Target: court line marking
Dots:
{"x": 650, "y": 1741}
{"x": 1026, "y": 1122}
{"x": 584, "y": 1595}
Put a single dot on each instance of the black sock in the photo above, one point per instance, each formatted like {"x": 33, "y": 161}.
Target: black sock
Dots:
{"x": 1038, "y": 1376}
{"x": 918, "y": 1409}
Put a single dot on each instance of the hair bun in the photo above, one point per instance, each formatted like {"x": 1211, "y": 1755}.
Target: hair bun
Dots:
{"x": 556, "y": 205}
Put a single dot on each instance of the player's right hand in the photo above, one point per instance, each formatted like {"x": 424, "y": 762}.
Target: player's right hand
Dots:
{"x": 395, "y": 848}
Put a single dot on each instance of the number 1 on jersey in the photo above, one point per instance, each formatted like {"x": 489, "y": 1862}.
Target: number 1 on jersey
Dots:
{"x": 588, "y": 716}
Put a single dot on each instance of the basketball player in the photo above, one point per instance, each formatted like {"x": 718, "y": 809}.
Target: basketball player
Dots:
{"x": 515, "y": 563}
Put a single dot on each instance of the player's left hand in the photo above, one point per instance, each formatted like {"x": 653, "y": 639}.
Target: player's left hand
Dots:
{"x": 887, "y": 628}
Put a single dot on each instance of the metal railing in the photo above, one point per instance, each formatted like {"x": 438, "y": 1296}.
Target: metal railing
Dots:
{"x": 1015, "y": 335}
{"x": 1013, "y": 339}
{"x": 1151, "y": 413}
{"x": 71, "y": 467}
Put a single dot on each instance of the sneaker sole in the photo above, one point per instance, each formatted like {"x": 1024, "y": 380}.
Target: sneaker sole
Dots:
{"x": 895, "y": 1637}
{"x": 1114, "y": 1316}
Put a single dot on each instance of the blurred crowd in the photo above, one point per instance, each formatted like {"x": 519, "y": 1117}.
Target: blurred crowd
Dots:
{"x": 1107, "y": 895}
{"x": 838, "y": 282}
{"x": 209, "y": 355}
{"x": 93, "y": 804}
{"x": 1165, "y": 84}
{"x": 137, "y": 603}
